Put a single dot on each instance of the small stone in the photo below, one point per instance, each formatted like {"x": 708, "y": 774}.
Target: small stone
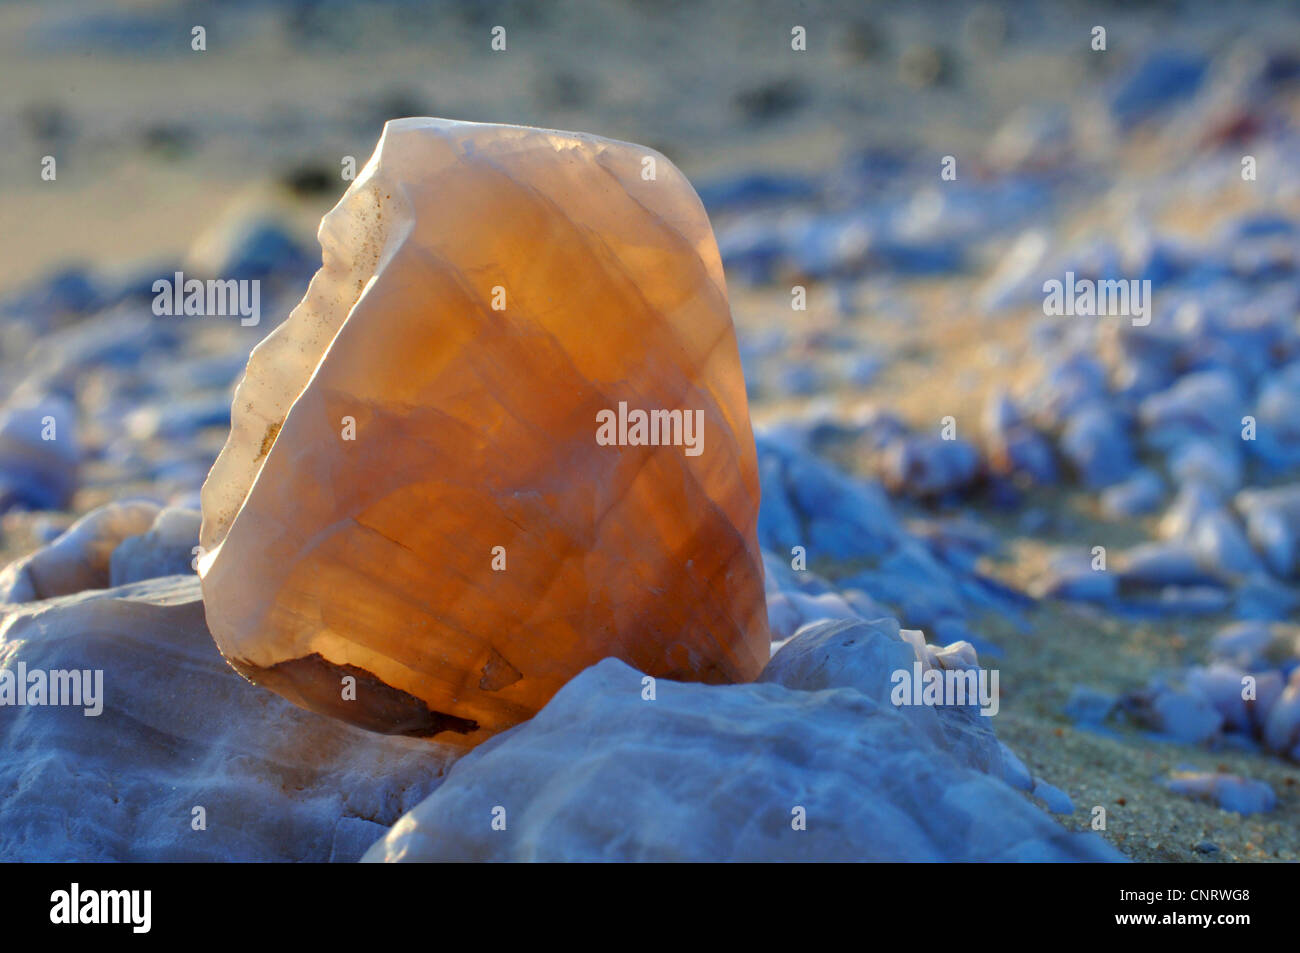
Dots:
{"x": 1089, "y": 706}
{"x": 929, "y": 466}
{"x": 166, "y": 549}
{"x": 1186, "y": 716}
{"x": 1140, "y": 494}
{"x": 39, "y": 453}
{"x": 1096, "y": 443}
{"x": 1057, "y": 801}
{"x": 80, "y": 558}
{"x": 1229, "y": 791}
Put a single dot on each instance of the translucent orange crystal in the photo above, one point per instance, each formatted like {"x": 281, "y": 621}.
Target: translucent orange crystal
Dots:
{"x": 440, "y": 499}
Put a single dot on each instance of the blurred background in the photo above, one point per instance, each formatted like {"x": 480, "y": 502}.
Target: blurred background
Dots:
{"x": 285, "y": 89}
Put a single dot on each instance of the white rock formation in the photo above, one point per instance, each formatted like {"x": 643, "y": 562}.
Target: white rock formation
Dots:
{"x": 166, "y": 549}
{"x": 708, "y": 773}
{"x": 180, "y": 731}
{"x": 80, "y": 558}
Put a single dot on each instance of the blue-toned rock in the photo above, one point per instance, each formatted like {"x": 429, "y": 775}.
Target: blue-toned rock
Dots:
{"x": 1243, "y": 643}
{"x": 1229, "y": 791}
{"x": 814, "y": 772}
{"x": 925, "y": 466}
{"x": 1140, "y": 494}
{"x": 1159, "y": 81}
{"x": 1222, "y": 685}
{"x": 755, "y": 189}
{"x": 177, "y": 728}
{"x": 1272, "y": 521}
{"x": 1096, "y": 443}
{"x": 1089, "y": 705}
{"x": 1216, "y": 464}
{"x": 783, "y": 617}
{"x": 72, "y": 291}
{"x": 80, "y": 558}
{"x": 1282, "y": 730}
{"x": 166, "y": 548}
{"x": 852, "y": 653}
{"x": 39, "y": 454}
{"x": 1072, "y": 577}
{"x": 1204, "y": 405}
{"x": 1220, "y": 543}
{"x": 1179, "y": 714}
{"x": 846, "y": 518}
{"x": 778, "y": 524}
{"x": 249, "y": 248}
{"x": 1056, "y": 800}
{"x": 1277, "y": 417}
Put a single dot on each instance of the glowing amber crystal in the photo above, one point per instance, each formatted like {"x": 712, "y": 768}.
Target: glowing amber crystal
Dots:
{"x": 503, "y": 436}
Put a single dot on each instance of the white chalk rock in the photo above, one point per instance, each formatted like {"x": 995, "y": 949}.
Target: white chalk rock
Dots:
{"x": 167, "y": 549}
{"x": 186, "y": 761}
{"x": 80, "y": 558}
{"x": 809, "y": 764}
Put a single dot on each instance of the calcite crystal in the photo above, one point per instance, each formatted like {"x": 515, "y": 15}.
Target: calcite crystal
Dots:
{"x": 503, "y": 436}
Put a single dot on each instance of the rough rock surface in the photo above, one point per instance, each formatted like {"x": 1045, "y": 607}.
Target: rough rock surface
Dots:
{"x": 179, "y": 730}
{"x": 715, "y": 773}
